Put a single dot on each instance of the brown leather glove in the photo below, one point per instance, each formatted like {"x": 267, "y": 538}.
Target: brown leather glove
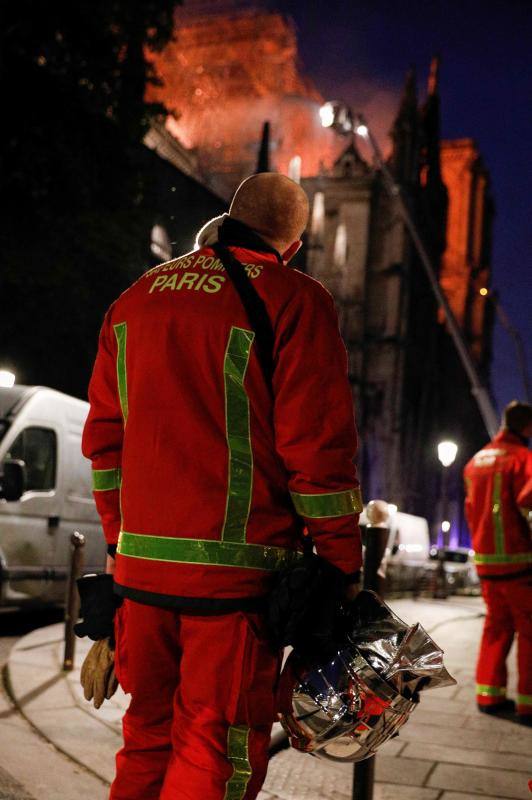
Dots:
{"x": 98, "y": 673}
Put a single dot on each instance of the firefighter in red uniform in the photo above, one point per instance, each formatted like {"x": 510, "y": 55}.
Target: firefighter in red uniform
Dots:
{"x": 498, "y": 501}
{"x": 204, "y": 478}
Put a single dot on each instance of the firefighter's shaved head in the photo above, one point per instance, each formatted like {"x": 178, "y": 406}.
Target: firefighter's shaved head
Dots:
{"x": 275, "y": 207}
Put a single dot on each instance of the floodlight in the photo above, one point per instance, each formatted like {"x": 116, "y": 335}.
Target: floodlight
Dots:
{"x": 447, "y": 453}
{"x": 327, "y": 115}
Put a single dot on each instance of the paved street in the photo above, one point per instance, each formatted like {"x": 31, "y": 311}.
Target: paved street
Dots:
{"x": 31, "y": 767}
{"x": 447, "y": 751}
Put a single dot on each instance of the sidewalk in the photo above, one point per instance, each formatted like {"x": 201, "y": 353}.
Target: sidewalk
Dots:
{"x": 447, "y": 751}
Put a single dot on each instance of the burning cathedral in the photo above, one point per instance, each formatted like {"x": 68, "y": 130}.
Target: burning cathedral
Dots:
{"x": 237, "y": 102}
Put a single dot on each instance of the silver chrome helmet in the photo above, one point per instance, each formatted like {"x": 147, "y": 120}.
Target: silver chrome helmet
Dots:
{"x": 345, "y": 709}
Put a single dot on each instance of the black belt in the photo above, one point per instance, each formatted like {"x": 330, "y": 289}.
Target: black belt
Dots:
{"x": 509, "y": 576}
{"x": 193, "y": 605}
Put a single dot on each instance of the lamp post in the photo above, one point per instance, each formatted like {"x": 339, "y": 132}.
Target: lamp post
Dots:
{"x": 340, "y": 117}
{"x": 375, "y": 538}
{"x": 447, "y": 451}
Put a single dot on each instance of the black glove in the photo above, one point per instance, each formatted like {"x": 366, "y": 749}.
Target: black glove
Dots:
{"x": 98, "y": 606}
{"x": 305, "y": 608}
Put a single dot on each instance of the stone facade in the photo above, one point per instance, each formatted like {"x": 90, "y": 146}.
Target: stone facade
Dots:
{"x": 466, "y": 260}
{"x": 409, "y": 389}
{"x": 356, "y": 246}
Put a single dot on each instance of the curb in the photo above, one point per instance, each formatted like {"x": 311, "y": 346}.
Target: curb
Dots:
{"x": 52, "y": 702}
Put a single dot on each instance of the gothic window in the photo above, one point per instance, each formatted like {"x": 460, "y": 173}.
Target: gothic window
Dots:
{"x": 347, "y": 166}
{"x": 340, "y": 246}
{"x": 318, "y": 214}
{"x": 294, "y": 169}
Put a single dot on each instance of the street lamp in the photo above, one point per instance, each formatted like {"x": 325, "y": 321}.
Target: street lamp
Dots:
{"x": 7, "y": 379}
{"x": 447, "y": 451}
{"x": 339, "y": 117}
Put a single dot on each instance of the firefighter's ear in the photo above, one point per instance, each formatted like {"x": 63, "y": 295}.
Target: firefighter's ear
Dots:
{"x": 291, "y": 251}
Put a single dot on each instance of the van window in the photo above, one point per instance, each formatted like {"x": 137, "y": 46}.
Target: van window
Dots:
{"x": 79, "y": 477}
{"x": 37, "y": 447}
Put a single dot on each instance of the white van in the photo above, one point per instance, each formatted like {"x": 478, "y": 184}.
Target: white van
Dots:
{"x": 407, "y": 551}
{"x": 409, "y": 542}
{"x": 45, "y": 495}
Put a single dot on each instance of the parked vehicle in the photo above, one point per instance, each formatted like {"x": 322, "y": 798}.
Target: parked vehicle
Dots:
{"x": 45, "y": 494}
{"x": 459, "y": 567}
{"x": 407, "y": 551}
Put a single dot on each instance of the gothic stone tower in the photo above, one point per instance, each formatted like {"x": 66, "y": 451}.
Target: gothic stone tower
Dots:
{"x": 398, "y": 350}
{"x": 357, "y": 247}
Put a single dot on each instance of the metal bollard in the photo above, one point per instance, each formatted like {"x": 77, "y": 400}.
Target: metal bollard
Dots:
{"x": 439, "y": 590}
{"x": 364, "y": 779}
{"x": 375, "y": 539}
{"x": 72, "y": 600}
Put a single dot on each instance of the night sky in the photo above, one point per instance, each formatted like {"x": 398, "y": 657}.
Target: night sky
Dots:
{"x": 360, "y": 51}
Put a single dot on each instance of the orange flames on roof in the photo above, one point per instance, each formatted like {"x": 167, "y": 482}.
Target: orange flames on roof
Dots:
{"x": 223, "y": 77}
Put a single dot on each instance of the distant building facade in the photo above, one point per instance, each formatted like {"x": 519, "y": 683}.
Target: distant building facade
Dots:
{"x": 409, "y": 388}
{"x": 466, "y": 262}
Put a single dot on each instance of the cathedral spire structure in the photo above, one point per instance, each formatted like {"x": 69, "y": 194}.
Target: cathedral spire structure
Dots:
{"x": 434, "y": 192}
{"x": 434, "y": 76}
{"x": 263, "y": 160}
{"x": 430, "y": 121}
{"x": 404, "y": 133}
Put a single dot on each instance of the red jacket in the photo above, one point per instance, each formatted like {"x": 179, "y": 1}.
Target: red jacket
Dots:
{"x": 499, "y": 493}
{"x": 203, "y": 478}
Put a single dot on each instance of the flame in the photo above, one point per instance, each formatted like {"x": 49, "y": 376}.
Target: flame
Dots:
{"x": 223, "y": 77}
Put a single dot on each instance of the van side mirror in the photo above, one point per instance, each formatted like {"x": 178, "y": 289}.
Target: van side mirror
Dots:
{"x": 13, "y": 480}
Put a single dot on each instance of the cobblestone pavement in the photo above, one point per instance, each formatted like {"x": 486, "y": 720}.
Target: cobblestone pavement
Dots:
{"x": 447, "y": 751}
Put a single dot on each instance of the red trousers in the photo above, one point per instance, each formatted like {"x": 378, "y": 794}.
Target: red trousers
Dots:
{"x": 508, "y": 612}
{"x": 202, "y": 704}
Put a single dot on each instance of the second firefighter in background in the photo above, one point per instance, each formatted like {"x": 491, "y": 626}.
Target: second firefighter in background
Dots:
{"x": 498, "y": 504}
